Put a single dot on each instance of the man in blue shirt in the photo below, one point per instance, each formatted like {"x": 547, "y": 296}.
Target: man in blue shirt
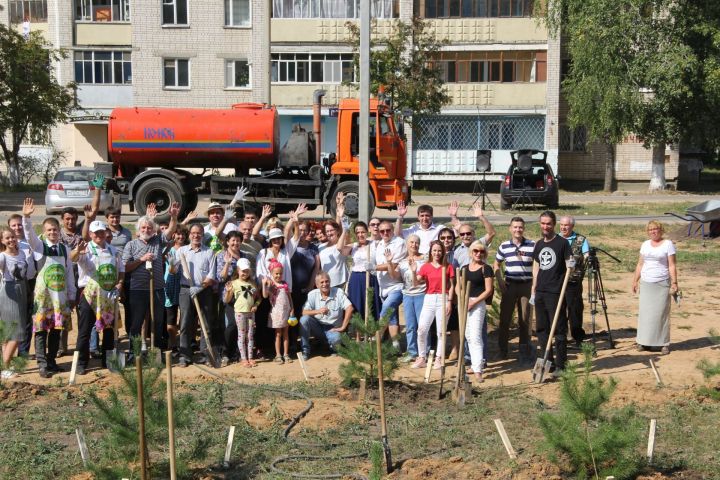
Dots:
{"x": 580, "y": 249}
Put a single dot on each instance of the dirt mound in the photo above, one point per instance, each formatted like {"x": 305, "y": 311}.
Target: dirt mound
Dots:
{"x": 457, "y": 468}
{"x": 15, "y": 392}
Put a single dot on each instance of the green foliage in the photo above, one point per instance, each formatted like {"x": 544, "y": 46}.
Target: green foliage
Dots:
{"x": 402, "y": 63}
{"x": 710, "y": 369}
{"x": 597, "y": 443}
{"x": 377, "y": 458}
{"x": 362, "y": 356}
{"x": 117, "y": 412}
{"x": 32, "y": 100}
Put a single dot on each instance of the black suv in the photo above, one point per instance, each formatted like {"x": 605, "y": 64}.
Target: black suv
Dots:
{"x": 529, "y": 181}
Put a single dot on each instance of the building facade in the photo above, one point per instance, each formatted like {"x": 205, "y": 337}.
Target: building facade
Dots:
{"x": 500, "y": 68}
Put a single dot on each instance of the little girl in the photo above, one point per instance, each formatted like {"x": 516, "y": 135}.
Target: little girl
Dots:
{"x": 282, "y": 309}
{"x": 243, "y": 289}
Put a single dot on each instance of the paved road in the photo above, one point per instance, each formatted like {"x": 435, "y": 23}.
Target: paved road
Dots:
{"x": 12, "y": 202}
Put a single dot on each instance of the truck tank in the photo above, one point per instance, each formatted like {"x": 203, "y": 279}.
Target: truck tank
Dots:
{"x": 244, "y": 136}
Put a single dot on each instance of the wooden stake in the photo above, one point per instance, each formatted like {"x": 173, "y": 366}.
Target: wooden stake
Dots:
{"x": 302, "y": 365}
{"x": 228, "y": 448}
{"x": 658, "y": 381}
{"x": 141, "y": 418}
{"x": 651, "y": 440}
{"x": 504, "y": 437}
{"x": 459, "y": 390}
{"x": 428, "y": 368}
{"x": 362, "y": 390}
{"x": 148, "y": 266}
{"x": 83, "y": 446}
{"x": 73, "y": 369}
{"x": 443, "y": 328}
{"x": 171, "y": 413}
{"x": 201, "y": 316}
{"x": 383, "y": 419}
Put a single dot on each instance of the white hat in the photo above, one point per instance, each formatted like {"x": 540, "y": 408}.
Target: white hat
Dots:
{"x": 243, "y": 264}
{"x": 275, "y": 233}
{"x": 215, "y": 206}
{"x": 97, "y": 225}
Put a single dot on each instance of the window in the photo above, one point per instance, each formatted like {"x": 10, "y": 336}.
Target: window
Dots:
{"x": 474, "y": 8}
{"x": 175, "y": 12}
{"x": 102, "y": 10}
{"x": 475, "y": 67}
{"x": 237, "y": 74}
{"x": 176, "y": 73}
{"x": 474, "y": 132}
{"x": 572, "y": 139}
{"x": 333, "y": 8}
{"x": 312, "y": 68}
{"x": 102, "y": 67}
{"x": 237, "y": 13}
{"x": 33, "y": 10}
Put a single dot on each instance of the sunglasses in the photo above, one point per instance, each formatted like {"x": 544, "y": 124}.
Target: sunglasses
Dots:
{"x": 447, "y": 238}
{"x": 462, "y": 234}
{"x": 385, "y": 230}
{"x": 478, "y": 251}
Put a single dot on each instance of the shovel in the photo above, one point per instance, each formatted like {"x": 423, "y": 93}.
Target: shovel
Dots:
{"x": 115, "y": 359}
{"x": 542, "y": 366}
{"x": 383, "y": 420}
{"x": 443, "y": 329}
{"x": 460, "y": 390}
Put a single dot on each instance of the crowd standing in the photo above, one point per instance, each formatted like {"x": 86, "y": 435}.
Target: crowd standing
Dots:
{"x": 259, "y": 285}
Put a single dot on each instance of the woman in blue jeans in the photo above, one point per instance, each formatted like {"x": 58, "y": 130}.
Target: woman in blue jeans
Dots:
{"x": 413, "y": 295}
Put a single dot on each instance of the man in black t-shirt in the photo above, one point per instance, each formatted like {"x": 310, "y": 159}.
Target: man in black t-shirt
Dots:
{"x": 549, "y": 266}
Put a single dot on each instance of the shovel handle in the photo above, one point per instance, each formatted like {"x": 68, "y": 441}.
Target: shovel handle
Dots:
{"x": 568, "y": 271}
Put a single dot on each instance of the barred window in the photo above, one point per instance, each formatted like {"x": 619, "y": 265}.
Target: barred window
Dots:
{"x": 33, "y": 10}
{"x": 176, "y": 73}
{"x": 175, "y": 12}
{"x": 312, "y": 68}
{"x": 237, "y": 13}
{"x": 102, "y": 10}
{"x": 473, "y": 8}
{"x": 103, "y": 67}
{"x": 333, "y": 8}
{"x": 479, "y": 132}
{"x": 475, "y": 67}
{"x": 572, "y": 139}
{"x": 237, "y": 74}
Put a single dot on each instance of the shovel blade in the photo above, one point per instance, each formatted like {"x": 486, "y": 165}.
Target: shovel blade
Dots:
{"x": 541, "y": 370}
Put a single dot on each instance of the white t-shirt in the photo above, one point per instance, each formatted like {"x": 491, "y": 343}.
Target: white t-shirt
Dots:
{"x": 229, "y": 227}
{"x": 399, "y": 252}
{"x": 407, "y": 276}
{"x": 333, "y": 263}
{"x": 426, "y": 236}
{"x": 263, "y": 260}
{"x": 655, "y": 260}
{"x": 360, "y": 258}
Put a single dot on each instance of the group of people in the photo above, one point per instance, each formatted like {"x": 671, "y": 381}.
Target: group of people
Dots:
{"x": 255, "y": 284}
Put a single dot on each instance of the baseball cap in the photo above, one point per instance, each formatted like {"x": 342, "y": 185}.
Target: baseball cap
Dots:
{"x": 97, "y": 225}
{"x": 243, "y": 264}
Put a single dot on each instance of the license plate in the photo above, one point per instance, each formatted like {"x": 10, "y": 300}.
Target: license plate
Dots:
{"x": 77, "y": 193}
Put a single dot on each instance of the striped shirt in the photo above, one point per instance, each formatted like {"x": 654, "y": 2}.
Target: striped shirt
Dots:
{"x": 518, "y": 260}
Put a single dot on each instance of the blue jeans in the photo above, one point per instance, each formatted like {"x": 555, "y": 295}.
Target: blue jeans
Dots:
{"x": 311, "y": 326}
{"x": 94, "y": 340}
{"x": 412, "y": 306}
{"x": 392, "y": 301}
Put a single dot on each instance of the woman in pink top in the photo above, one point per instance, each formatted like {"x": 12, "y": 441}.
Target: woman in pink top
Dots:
{"x": 431, "y": 274}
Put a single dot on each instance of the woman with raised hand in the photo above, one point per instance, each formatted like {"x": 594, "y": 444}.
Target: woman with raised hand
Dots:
{"x": 363, "y": 254}
{"x": 413, "y": 294}
{"x": 656, "y": 279}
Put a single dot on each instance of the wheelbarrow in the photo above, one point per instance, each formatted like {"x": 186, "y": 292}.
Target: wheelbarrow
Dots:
{"x": 706, "y": 212}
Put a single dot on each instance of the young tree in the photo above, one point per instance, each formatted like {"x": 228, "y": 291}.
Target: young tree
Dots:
{"x": 401, "y": 63}
{"x": 30, "y": 96}
{"x": 649, "y": 68}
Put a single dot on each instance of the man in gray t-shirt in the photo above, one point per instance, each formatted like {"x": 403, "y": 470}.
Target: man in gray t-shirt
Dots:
{"x": 326, "y": 313}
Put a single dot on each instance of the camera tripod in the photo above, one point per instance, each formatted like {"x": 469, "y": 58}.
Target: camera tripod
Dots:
{"x": 596, "y": 291}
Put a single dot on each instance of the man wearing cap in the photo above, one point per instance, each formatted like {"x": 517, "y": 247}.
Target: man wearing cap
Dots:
{"x": 326, "y": 314}
{"x": 143, "y": 257}
{"x": 101, "y": 273}
{"x": 219, "y": 226}
{"x": 202, "y": 262}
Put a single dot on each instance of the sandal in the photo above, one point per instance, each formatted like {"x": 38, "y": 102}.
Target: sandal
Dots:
{"x": 279, "y": 359}
{"x": 287, "y": 359}
{"x": 251, "y": 363}
{"x": 664, "y": 350}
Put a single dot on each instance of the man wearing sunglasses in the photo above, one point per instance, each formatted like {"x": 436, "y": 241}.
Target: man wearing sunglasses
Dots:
{"x": 515, "y": 286}
{"x": 390, "y": 288}
{"x": 461, "y": 254}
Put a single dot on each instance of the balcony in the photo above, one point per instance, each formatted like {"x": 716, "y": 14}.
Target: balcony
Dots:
{"x": 104, "y": 96}
{"x": 519, "y": 30}
{"x": 517, "y": 95}
{"x": 293, "y": 30}
{"x": 102, "y": 33}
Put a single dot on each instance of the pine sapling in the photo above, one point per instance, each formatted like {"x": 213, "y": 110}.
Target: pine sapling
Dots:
{"x": 362, "y": 356}
{"x": 598, "y": 442}
{"x": 710, "y": 369}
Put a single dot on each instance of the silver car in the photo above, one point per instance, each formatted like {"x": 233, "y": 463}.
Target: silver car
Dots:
{"x": 71, "y": 188}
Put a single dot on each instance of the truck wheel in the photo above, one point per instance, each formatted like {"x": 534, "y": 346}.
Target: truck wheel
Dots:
{"x": 190, "y": 203}
{"x": 160, "y": 191}
{"x": 352, "y": 199}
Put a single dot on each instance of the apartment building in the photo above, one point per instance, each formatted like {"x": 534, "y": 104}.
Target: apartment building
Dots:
{"x": 501, "y": 70}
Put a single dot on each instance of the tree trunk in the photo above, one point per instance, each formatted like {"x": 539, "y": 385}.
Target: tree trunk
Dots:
{"x": 657, "y": 175}
{"x": 14, "y": 172}
{"x": 609, "y": 184}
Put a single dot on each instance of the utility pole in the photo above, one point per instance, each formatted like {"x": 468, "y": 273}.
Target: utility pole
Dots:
{"x": 363, "y": 180}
